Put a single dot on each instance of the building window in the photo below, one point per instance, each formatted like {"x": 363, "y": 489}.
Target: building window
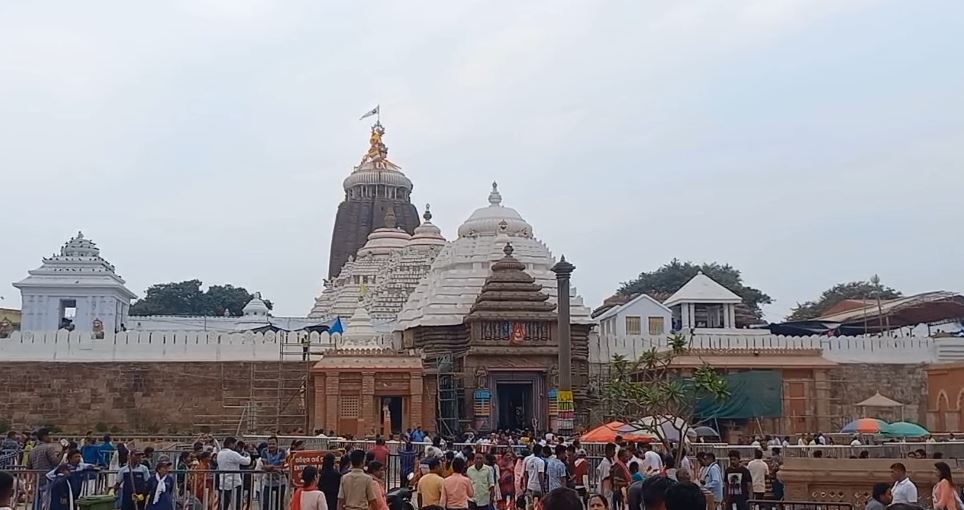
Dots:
{"x": 349, "y": 406}
{"x": 656, "y": 326}
{"x": 633, "y": 325}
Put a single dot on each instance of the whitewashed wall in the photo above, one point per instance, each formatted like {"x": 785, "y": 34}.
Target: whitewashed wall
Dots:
{"x": 157, "y": 346}
{"x": 906, "y": 350}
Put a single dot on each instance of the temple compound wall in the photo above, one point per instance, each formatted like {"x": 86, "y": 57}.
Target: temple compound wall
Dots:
{"x": 852, "y": 383}
{"x": 154, "y": 397}
{"x": 851, "y": 480}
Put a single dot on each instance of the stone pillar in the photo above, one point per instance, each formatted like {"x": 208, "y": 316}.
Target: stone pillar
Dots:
{"x": 731, "y": 315}
{"x": 367, "y": 418}
{"x": 317, "y": 414}
{"x": 332, "y": 392}
{"x": 565, "y": 400}
{"x": 415, "y": 392}
{"x": 821, "y": 396}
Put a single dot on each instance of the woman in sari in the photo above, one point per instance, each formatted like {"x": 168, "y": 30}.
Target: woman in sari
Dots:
{"x": 507, "y": 480}
{"x": 202, "y": 481}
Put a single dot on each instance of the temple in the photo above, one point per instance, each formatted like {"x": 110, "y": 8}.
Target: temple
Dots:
{"x": 474, "y": 322}
{"x": 413, "y": 329}
{"x": 75, "y": 289}
{"x": 373, "y": 188}
{"x": 382, "y": 273}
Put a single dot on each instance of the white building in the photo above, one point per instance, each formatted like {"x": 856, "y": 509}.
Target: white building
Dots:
{"x": 446, "y": 294}
{"x": 703, "y": 303}
{"x": 642, "y": 315}
{"x": 382, "y": 274}
{"x": 76, "y": 289}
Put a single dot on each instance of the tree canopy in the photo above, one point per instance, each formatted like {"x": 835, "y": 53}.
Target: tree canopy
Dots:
{"x": 871, "y": 289}
{"x": 650, "y": 387}
{"x": 668, "y": 279}
{"x": 187, "y": 298}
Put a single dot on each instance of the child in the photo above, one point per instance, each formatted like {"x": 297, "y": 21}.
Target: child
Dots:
{"x": 634, "y": 472}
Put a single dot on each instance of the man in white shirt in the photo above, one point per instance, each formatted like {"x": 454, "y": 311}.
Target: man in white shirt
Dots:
{"x": 230, "y": 460}
{"x": 855, "y": 442}
{"x": 435, "y": 449}
{"x": 904, "y": 490}
{"x": 535, "y": 476}
{"x": 652, "y": 462}
{"x": 759, "y": 470}
{"x": 604, "y": 471}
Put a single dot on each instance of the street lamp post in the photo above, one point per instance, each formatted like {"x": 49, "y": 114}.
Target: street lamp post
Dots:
{"x": 567, "y": 409}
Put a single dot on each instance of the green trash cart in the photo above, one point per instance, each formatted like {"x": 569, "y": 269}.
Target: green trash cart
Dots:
{"x": 103, "y": 502}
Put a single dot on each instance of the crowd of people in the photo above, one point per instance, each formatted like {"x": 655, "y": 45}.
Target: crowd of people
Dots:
{"x": 494, "y": 472}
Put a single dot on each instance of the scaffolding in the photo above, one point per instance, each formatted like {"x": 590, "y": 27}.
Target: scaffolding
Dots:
{"x": 450, "y": 394}
{"x": 268, "y": 396}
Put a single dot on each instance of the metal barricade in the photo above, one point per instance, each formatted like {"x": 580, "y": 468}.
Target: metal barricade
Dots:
{"x": 193, "y": 489}
{"x": 763, "y": 504}
{"x": 10, "y": 459}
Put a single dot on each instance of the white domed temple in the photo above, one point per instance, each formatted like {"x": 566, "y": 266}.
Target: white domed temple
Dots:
{"x": 446, "y": 294}
{"x": 76, "y": 288}
{"x": 382, "y": 274}
{"x": 479, "y": 311}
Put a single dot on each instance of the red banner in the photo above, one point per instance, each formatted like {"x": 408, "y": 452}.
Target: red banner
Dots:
{"x": 299, "y": 460}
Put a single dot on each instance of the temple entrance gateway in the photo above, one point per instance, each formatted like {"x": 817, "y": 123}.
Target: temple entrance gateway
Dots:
{"x": 515, "y": 405}
{"x": 394, "y": 406}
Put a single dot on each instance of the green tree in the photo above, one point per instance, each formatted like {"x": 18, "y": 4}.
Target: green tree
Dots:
{"x": 187, "y": 298}
{"x": 871, "y": 289}
{"x": 652, "y": 387}
{"x": 666, "y": 280}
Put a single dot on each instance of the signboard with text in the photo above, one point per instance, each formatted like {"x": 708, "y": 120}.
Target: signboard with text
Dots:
{"x": 299, "y": 460}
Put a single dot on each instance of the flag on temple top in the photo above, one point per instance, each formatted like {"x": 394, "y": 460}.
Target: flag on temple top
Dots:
{"x": 336, "y": 327}
{"x": 369, "y": 113}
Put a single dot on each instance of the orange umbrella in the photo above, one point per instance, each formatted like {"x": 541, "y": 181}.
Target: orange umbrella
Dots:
{"x": 608, "y": 432}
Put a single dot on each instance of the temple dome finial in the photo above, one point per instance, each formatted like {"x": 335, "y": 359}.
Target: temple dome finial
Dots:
{"x": 495, "y": 198}
{"x": 495, "y": 219}
{"x": 427, "y": 216}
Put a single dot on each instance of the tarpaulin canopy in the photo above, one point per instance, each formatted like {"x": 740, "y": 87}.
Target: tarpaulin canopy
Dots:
{"x": 753, "y": 394}
{"x": 608, "y": 432}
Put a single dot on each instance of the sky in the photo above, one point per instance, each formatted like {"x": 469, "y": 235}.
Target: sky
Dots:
{"x": 805, "y": 142}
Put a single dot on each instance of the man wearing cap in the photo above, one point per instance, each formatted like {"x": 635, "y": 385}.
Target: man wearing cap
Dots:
{"x": 160, "y": 488}
{"x": 132, "y": 482}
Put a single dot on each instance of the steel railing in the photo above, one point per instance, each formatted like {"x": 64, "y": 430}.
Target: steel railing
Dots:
{"x": 193, "y": 489}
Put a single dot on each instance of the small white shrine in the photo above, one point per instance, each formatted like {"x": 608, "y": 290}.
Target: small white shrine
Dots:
{"x": 77, "y": 290}
{"x": 703, "y": 303}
